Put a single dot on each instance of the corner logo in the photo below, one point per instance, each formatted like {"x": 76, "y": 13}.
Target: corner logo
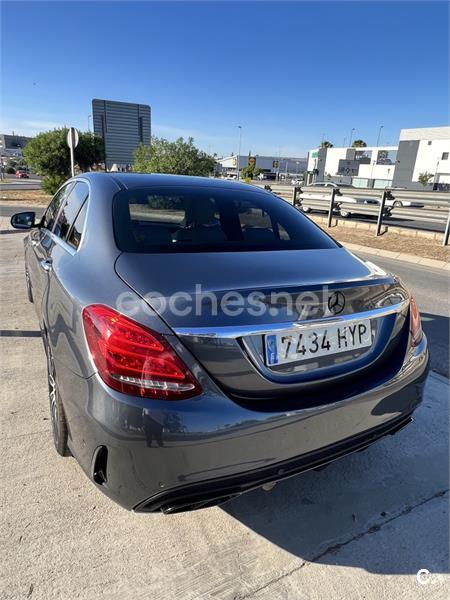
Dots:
{"x": 336, "y": 302}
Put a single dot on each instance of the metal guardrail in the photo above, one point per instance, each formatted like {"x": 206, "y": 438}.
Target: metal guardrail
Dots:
{"x": 427, "y": 207}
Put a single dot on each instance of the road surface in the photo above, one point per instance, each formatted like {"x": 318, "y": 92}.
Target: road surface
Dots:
{"x": 10, "y": 183}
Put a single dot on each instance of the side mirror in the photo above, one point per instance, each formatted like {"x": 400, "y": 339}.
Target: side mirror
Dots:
{"x": 23, "y": 220}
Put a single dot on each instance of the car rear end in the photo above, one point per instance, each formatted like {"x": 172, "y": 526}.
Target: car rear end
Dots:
{"x": 282, "y": 352}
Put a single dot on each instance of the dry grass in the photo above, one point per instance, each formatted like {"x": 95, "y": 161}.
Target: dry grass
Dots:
{"x": 25, "y": 196}
{"x": 427, "y": 248}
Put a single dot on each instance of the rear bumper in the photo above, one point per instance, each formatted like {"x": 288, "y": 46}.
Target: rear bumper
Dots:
{"x": 216, "y": 491}
{"x": 180, "y": 455}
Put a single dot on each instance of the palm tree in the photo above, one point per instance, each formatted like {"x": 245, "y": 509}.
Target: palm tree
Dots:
{"x": 359, "y": 144}
{"x": 326, "y": 144}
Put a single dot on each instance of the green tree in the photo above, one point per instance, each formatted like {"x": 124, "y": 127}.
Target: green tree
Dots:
{"x": 359, "y": 144}
{"x": 177, "y": 158}
{"x": 49, "y": 155}
{"x": 424, "y": 178}
{"x": 326, "y": 144}
{"x": 250, "y": 172}
{"x": 90, "y": 151}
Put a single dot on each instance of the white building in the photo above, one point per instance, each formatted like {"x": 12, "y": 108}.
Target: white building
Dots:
{"x": 271, "y": 166}
{"x": 424, "y": 150}
{"x": 370, "y": 166}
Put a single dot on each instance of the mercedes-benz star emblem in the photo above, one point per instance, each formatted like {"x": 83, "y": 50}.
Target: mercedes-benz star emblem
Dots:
{"x": 336, "y": 302}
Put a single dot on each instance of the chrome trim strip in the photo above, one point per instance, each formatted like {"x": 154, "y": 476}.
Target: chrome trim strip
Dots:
{"x": 67, "y": 247}
{"x": 245, "y": 330}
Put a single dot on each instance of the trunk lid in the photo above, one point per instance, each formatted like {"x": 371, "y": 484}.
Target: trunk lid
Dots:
{"x": 206, "y": 298}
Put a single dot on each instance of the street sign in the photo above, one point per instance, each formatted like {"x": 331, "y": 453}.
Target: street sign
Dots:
{"x": 72, "y": 142}
{"x": 72, "y": 137}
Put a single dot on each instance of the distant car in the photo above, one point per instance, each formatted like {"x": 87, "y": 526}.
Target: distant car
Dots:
{"x": 22, "y": 175}
{"x": 393, "y": 202}
{"x": 319, "y": 198}
{"x": 322, "y": 184}
{"x": 397, "y": 203}
{"x": 297, "y": 181}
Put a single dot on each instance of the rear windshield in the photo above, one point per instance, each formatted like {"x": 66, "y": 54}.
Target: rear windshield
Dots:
{"x": 201, "y": 219}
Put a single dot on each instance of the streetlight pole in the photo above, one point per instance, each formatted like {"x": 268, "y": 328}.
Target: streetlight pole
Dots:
{"x": 351, "y": 137}
{"x": 374, "y": 159}
{"x": 379, "y": 135}
{"x": 239, "y": 153}
{"x": 89, "y": 123}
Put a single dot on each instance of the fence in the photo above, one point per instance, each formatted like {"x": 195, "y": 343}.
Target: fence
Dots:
{"x": 431, "y": 209}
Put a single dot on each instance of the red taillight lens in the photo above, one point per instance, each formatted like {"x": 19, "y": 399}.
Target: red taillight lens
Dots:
{"x": 415, "y": 323}
{"x": 133, "y": 359}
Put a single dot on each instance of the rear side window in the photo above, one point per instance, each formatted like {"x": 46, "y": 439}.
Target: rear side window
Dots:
{"x": 201, "y": 219}
{"x": 70, "y": 209}
{"x": 48, "y": 220}
{"x": 74, "y": 237}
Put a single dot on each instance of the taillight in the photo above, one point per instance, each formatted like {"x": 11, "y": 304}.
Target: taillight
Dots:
{"x": 415, "y": 323}
{"x": 133, "y": 359}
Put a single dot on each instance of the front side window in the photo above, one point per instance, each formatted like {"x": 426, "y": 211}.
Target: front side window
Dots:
{"x": 48, "y": 220}
{"x": 70, "y": 209}
{"x": 210, "y": 220}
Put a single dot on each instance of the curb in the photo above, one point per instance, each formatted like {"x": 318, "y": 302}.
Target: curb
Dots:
{"x": 418, "y": 260}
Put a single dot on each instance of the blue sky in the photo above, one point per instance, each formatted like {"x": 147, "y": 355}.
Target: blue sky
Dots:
{"x": 288, "y": 72}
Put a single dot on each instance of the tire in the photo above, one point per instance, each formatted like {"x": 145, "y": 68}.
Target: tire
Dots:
{"x": 305, "y": 209}
{"x": 29, "y": 290}
{"x": 398, "y": 204}
{"x": 57, "y": 414}
{"x": 345, "y": 214}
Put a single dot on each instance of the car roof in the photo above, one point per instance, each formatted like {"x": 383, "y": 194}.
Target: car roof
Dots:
{"x": 139, "y": 180}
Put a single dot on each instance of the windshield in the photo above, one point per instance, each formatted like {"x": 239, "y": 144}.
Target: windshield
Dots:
{"x": 201, "y": 219}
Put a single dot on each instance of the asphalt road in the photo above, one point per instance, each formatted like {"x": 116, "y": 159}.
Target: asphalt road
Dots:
{"x": 431, "y": 289}
{"x": 362, "y": 528}
{"x": 10, "y": 183}
{"x": 8, "y": 210}
{"x": 406, "y": 222}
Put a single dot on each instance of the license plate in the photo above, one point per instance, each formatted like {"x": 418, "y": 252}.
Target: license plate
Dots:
{"x": 296, "y": 345}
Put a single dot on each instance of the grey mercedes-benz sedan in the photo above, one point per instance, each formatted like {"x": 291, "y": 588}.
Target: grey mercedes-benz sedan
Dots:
{"x": 204, "y": 338}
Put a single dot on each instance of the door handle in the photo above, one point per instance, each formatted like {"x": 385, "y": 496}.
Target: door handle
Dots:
{"x": 46, "y": 264}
